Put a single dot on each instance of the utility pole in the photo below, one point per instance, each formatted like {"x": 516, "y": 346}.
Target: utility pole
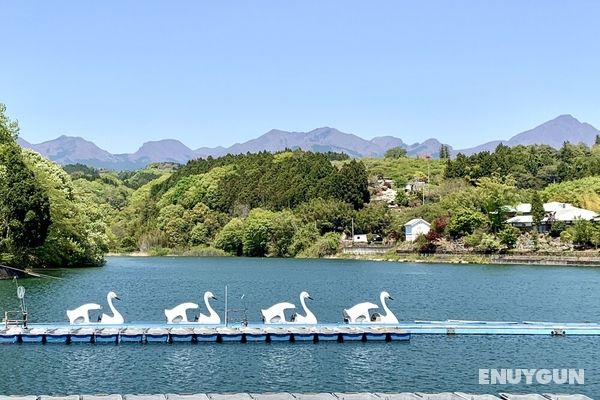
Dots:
{"x": 428, "y": 158}
{"x": 428, "y": 172}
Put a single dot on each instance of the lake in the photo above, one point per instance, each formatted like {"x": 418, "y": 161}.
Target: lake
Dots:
{"x": 147, "y": 286}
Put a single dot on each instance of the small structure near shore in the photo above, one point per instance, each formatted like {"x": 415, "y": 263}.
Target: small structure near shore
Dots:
{"x": 416, "y": 227}
{"x": 362, "y": 238}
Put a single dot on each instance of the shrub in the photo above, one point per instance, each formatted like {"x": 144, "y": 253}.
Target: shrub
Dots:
{"x": 230, "y": 238}
{"x": 402, "y": 199}
{"x": 326, "y": 245}
{"x": 509, "y": 236}
{"x": 158, "y": 251}
{"x": 304, "y": 238}
{"x": 488, "y": 244}
{"x": 474, "y": 239}
{"x": 199, "y": 235}
{"x": 567, "y": 235}
{"x": 557, "y": 228}
{"x": 205, "y": 251}
{"x": 584, "y": 233}
{"x": 464, "y": 222}
{"x": 422, "y": 245}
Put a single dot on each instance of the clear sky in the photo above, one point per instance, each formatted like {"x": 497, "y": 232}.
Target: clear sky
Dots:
{"x": 215, "y": 73}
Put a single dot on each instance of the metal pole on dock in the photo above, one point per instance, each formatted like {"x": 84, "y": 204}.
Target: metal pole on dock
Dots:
{"x": 225, "y": 305}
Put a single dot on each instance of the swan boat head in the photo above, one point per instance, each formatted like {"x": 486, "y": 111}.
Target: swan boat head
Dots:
{"x": 112, "y": 296}
{"x": 305, "y": 295}
{"x": 209, "y": 295}
{"x": 386, "y": 295}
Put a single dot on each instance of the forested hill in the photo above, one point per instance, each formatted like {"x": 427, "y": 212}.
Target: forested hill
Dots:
{"x": 254, "y": 204}
{"x": 533, "y": 166}
{"x": 274, "y": 181}
{"x": 43, "y": 220}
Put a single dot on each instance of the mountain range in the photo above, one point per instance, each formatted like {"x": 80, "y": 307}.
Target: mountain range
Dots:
{"x": 70, "y": 150}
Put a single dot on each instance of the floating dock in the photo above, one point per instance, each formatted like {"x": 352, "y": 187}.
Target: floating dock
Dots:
{"x": 190, "y": 332}
{"x": 310, "y": 396}
{"x": 198, "y": 334}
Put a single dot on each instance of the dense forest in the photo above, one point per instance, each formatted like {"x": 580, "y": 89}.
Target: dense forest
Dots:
{"x": 253, "y": 204}
{"x": 534, "y": 166}
{"x": 44, "y": 220}
{"x": 291, "y": 203}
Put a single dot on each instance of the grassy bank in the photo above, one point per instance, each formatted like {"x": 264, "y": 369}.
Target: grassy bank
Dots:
{"x": 569, "y": 259}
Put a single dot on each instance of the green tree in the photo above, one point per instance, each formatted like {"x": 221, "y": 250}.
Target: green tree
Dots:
{"x": 327, "y": 215}
{"x": 509, "y": 236}
{"x": 402, "y": 199}
{"x": 584, "y": 233}
{"x": 231, "y": 237}
{"x": 464, "y": 222}
{"x": 537, "y": 210}
{"x": 24, "y": 204}
{"x": 352, "y": 185}
{"x": 257, "y": 232}
{"x": 283, "y": 228}
{"x": 199, "y": 235}
{"x": 373, "y": 218}
{"x": 488, "y": 244}
{"x": 444, "y": 152}
{"x": 495, "y": 195}
{"x": 78, "y": 235}
{"x": 304, "y": 238}
{"x": 395, "y": 152}
{"x": 326, "y": 245}
{"x": 557, "y": 228}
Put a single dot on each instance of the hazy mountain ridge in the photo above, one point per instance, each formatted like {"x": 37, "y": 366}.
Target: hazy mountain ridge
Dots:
{"x": 553, "y": 133}
{"x": 69, "y": 150}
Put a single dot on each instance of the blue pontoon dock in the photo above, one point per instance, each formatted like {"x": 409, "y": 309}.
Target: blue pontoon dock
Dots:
{"x": 193, "y": 332}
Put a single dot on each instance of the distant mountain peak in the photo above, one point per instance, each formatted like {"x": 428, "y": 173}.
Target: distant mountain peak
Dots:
{"x": 564, "y": 128}
{"x": 163, "y": 150}
{"x": 565, "y": 117}
{"x": 323, "y": 129}
{"x": 163, "y": 144}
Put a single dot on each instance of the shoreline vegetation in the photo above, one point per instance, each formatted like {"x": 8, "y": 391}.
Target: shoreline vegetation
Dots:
{"x": 298, "y": 204}
{"x": 590, "y": 259}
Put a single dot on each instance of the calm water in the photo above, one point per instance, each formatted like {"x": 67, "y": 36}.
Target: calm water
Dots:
{"x": 428, "y": 363}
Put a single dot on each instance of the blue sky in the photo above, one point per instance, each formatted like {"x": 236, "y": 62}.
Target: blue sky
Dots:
{"x": 215, "y": 73}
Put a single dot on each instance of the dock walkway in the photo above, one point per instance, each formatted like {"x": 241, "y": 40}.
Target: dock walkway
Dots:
{"x": 190, "y": 332}
{"x": 310, "y": 396}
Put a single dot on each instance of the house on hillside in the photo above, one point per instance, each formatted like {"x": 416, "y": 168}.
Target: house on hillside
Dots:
{"x": 415, "y": 186}
{"x": 416, "y": 227}
{"x": 554, "y": 211}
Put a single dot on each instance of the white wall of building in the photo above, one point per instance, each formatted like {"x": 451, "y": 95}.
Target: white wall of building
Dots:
{"x": 414, "y": 228}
